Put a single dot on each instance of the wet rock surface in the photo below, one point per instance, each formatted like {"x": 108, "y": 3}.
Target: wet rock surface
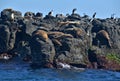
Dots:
{"x": 67, "y": 38}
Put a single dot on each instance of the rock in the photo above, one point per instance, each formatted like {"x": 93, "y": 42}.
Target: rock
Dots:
{"x": 42, "y": 52}
{"x": 29, "y": 14}
{"x": 66, "y": 38}
{"x": 74, "y": 17}
{"x": 103, "y": 37}
{"x": 73, "y": 51}
{"x": 4, "y": 36}
{"x": 10, "y": 14}
{"x": 38, "y": 14}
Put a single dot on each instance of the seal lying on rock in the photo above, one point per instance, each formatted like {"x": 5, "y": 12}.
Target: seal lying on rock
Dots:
{"x": 42, "y": 34}
{"x": 68, "y": 22}
{"x": 56, "y": 42}
{"x": 102, "y": 34}
{"x": 59, "y": 35}
{"x": 76, "y": 32}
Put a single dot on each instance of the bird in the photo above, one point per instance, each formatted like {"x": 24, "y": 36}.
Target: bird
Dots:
{"x": 94, "y": 15}
{"x": 12, "y": 16}
{"x": 50, "y": 13}
{"x": 73, "y": 11}
{"x": 112, "y": 16}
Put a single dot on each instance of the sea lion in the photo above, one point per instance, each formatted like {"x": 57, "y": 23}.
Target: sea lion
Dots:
{"x": 42, "y": 34}
{"x": 55, "y": 34}
{"x": 76, "y": 32}
{"x": 56, "y": 42}
{"x": 65, "y": 36}
{"x": 68, "y": 22}
{"x": 59, "y": 35}
{"x": 102, "y": 34}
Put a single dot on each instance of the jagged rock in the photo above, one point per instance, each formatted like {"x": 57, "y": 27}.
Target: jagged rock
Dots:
{"x": 74, "y": 17}
{"x": 29, "y": 14}
{"x": 67, "y": 38}
{"x": 4, "y": 36}
{"x": 73, "y": 51}
{"x": 111, "y": 27}
{"x": 10, "y": 14}
{"x": 42, "y": 51}
{"x": 38, "y": 14}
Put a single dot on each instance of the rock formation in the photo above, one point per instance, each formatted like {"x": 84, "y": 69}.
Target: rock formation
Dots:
{"x": 69, "y": 38}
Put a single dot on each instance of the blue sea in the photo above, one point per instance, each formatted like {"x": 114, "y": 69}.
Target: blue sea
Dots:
{"x": 16, "y": 71}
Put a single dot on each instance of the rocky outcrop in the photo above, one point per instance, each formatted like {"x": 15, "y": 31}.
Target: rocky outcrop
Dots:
{"x": 42, "y": 49}
{"x": 74, "y": 39}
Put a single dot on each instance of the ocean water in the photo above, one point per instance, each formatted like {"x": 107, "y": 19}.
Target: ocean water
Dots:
{"x": 22, "y": 72}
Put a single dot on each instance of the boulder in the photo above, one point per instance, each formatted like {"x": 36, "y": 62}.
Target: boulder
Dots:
{"x": 4, "y": 36}
{"x": 10, "y": 14}
{"x": 42, "y": 52}
{"x": 73, "y": 51}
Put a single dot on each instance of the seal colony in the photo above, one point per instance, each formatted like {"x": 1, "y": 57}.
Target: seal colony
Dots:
{"x": 69, "y": 41}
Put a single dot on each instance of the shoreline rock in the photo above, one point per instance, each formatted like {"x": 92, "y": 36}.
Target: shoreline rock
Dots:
{"x": 67, "y": 38}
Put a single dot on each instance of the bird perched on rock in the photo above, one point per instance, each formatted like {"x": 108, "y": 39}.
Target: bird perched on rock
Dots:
{"x": 73, "y": 11}
{"x": 112, "y": 16}
{"x": 12, "y": 16}
{"x": 50, "y": 13}
{"x": 94, "y": 15}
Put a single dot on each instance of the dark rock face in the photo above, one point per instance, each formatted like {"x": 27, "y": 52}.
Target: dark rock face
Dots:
{"x": 64, "y": 38}
{"x": 42, "y": 52}
{"x": 73, "y": 51}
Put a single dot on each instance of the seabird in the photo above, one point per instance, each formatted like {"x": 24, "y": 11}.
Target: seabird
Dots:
{"x": 73, "y": 11}
{"x": 12, "y": 16}
{"x": 112, "y": 16}
{"x": 50, "y": 13}
{"x": 94, "y": 15}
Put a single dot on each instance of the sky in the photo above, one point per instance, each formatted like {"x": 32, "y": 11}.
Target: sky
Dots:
{"x": 103, "y": 8}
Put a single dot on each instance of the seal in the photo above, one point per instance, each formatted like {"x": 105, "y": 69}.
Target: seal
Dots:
{"x": 59, "y": 35}
{"x": 67, "y": 23}
{"x": 42, "y": 34}
{"x": 104, "y": 35}
{"x": 76, "y": 32}
{"x": 56, "y": 42}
